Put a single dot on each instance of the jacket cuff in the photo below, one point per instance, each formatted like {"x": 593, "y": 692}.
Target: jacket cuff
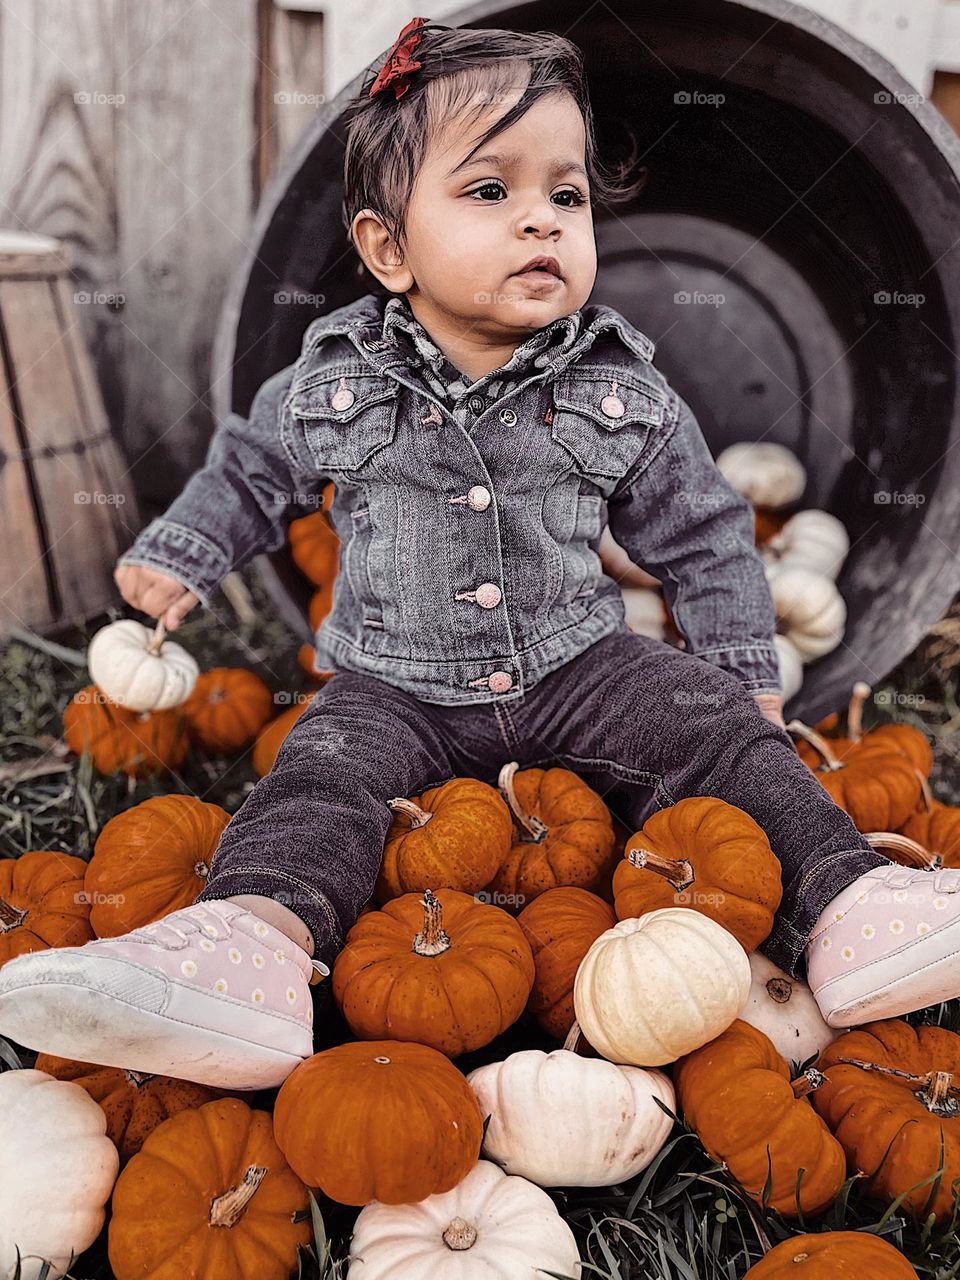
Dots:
{"x": 756, "y": 666}
{"x": 195, "y": 561}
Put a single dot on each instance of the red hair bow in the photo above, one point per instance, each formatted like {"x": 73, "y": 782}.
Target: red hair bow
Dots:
{"x": 399, "y": 64}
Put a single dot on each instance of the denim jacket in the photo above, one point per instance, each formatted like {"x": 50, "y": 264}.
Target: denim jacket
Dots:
{"x": 469, "y": 535}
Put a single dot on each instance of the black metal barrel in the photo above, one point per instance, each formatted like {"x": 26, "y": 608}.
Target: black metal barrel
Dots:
{"x": 793, "y": 255}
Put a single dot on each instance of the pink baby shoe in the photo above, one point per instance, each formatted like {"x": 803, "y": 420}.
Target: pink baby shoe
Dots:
{"x": 210, "y": 993}
{"x": 886, "y": 945}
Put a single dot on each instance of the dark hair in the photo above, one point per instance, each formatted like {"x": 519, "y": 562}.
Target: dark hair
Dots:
{"x": 387, "y": 136}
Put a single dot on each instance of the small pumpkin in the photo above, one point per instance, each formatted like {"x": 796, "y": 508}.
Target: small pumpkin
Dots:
{"x": 708, "y": 855}
{"x": 784, "y": 1009}
{"x": 209, "y": 1195}
{"x": 118, "y": 740}
{"x": 900, "y": 739}
{"x": 813, "y": 540}
{"x": 564, "y": 834}
{"x": 227, "y": 709}
{"x": 150, "y": 860}
{"x": 565, "y": 1121}
{"x": 140, "y": 669}
{"x": 378, "y": 1120}
{"x": 42, "y": 903}
{"x": 936, "y": 827}
{"x": 444, "y": 970}
{"x": 560, "y": 925}
{"x": 737, "y": 1094}
{"x": 271, "y": 737}
{"x": 833, "y": 1255}
{"x": 653, "y": 988}
{"x": 767, "y": 473}
{"x": 314, "y": 544}
{"x": 810, "y": 610}
{"x": 59, "y": 1170}
{"x": 133, "y": 1103}
{"x": 491, "y": 1226}
{"x": 892, "y": 1095}
{"x": 456, "y": 834}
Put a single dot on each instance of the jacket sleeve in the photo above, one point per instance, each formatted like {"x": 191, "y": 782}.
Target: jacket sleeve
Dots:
{"x": 680, "y": 519}
{"x": 237, "y": 505}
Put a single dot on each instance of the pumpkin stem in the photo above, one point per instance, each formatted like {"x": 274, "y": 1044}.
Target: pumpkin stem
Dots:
{"x": 780, "y": 989}
{"x": 925, "y": 790}
{"x": 138, "y": 1078}
{"x": 418, "y": 817}
{"x": 915, "y": 854}
{"x": 10, "y": 916}
{"x": 460, "y": 1234}
{"x": 159, "y": 635}
{"x": 201, "y": 869}
{"x": 860, "y": 693}
{"x": 810, "y": 1080}
{"x": 432, "y": 940}
{"x": 573, "y": 1037}
{"x": 228, "y": 1209}
{"x": 535, "y": 828}
{"x": 818, "y": 742}
{"x": 939, "y": 1091}
{"x": 678, "y": 871}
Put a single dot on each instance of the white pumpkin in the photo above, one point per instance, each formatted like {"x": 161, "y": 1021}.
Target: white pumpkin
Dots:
{"x": 784, "y": 1009}
{"x": 660, "y": 985}
{"x": 491, "y": 1226}
{"x": 618, "y": 565}
{"x": 791, "y": 666}
{"x": 766, "y": 473}
{"x": 645, "y": 612}
{"x": 565, "y": 1121}
{"x": 138, "y": 668}
{"x": 810, "y": 610}
{"x": 813, "y": 540}
{"x": 56, "y": 1175}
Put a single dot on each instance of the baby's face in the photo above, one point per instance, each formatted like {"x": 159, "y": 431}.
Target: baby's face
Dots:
{"x": 471, "y": 228}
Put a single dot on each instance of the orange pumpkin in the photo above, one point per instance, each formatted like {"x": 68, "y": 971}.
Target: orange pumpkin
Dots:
{"x": 874, "y": 781}
{"x": 705, "y": 854}
{"x": 833, "y": 1255}
{"x": 564, "y": 835}
{"x": 936, "y": 827}
{"x": 737, "y": 1094}
{"x": 444, "y": 970}
{"x": 378, "y": 1121}
{"x": 307, "y": 661}
{"x": 314, "y": 544}
{"x": 456, "y": 835}
{"x": 137, "y": 743}
{"x": 209, "y": 1195}
{"x": 42, "y": 903}
{"x": 227, "y": 709}
{"x": 134, "y": 1103}
{"x": 271, "y": 736}
{"x": 560, "y": 925}
{"x": 892, "y": 1094}
{"x": 902, "y": 739}
{"x": 151, "y": 860}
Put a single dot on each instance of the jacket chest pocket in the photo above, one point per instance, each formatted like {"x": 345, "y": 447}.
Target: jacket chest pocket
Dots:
{"x": 605, "y": 420}
{"x": 344, "y": 419}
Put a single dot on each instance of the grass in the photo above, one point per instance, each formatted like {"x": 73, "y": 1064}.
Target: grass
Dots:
{"x": 684, "y": 1218}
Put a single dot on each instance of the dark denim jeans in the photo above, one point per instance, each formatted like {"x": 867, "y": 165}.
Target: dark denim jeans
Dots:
{"x": 643, "y": 723}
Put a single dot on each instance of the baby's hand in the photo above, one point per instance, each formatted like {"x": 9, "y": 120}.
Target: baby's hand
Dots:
{"x": 771, "y": 704}
{"x": 155, "y": 593}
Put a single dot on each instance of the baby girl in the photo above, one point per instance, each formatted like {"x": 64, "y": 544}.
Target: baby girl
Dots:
{"x": 481, "y": 422}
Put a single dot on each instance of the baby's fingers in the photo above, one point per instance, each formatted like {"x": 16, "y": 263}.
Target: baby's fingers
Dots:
{"x": 179, "y": 610}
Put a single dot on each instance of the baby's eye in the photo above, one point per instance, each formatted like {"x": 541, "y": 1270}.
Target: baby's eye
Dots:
{"x": 488, "y": 186}
{"x": 573, "y": 195}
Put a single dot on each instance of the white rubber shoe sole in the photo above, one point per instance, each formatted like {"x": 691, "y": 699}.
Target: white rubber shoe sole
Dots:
{"x": 144, "y": 1022}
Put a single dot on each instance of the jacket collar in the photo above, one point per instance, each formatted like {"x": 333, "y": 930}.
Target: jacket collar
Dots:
{"x": 365, "y": 321}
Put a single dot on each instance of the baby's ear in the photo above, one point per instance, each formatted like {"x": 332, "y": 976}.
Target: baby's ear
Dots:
{"x": 379, "y": 251}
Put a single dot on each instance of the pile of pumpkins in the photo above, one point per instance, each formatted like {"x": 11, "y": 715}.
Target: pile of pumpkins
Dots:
{"x": 803, "y": 551}
{"x": 639, "y": 956}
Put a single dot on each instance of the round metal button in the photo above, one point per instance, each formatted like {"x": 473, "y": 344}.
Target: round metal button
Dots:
{"x": 343, "y": 398}
{"x": 488, "y": 595}
{"x": 500, "y": 681}
{"x": 612, "y": 406}
{"x": 478, "y": 497}
{"x": 508, "y": 417}
{"x": 477, "y": 404}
